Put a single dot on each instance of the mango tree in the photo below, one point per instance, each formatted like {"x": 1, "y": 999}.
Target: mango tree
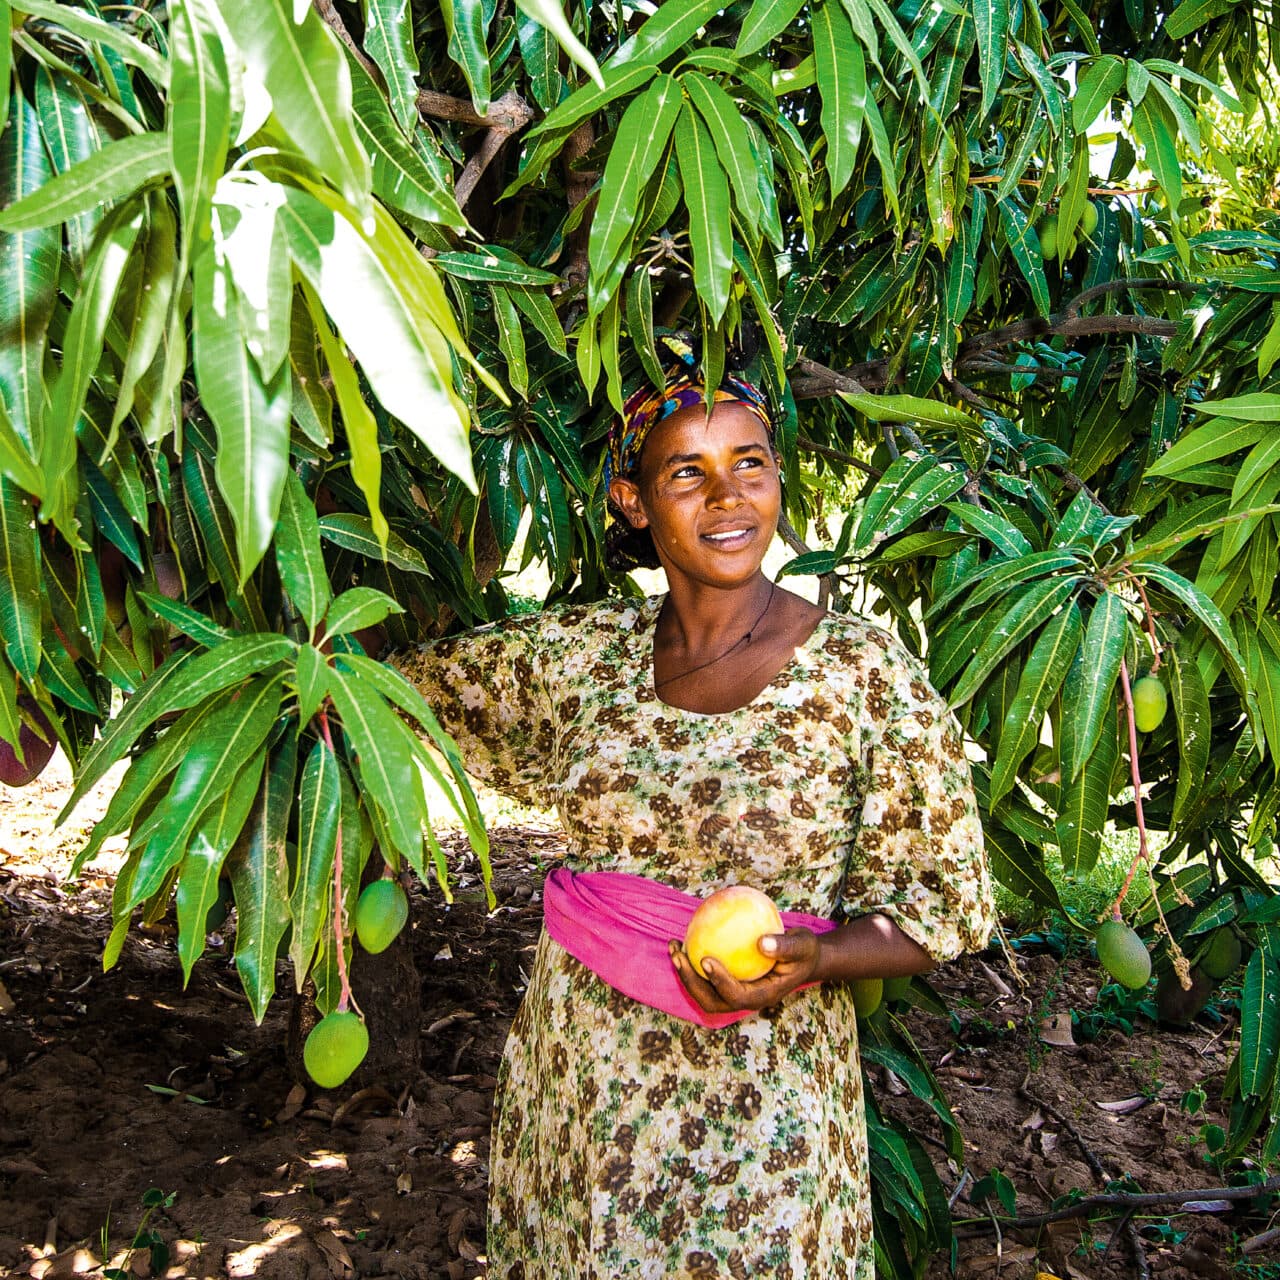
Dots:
{"x": 304, "y": 308}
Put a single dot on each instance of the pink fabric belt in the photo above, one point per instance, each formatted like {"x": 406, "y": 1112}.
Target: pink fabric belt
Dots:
{"x": 619, "y": 925}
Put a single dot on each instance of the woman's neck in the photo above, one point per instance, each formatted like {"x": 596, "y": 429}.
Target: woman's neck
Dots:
{"x": 696, "y": 618}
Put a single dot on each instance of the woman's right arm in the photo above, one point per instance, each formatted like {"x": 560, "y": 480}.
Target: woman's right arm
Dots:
{"x": 487, "y": 690}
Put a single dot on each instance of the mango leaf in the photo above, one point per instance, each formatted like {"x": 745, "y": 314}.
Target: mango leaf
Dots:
{"x": 401, "y": 177}
{"x": 71, "y": 136}
{"x": 230, "y": 737}
{"x": 706, "y": 194}
{"x": 511, "y": 339}
{"x": 1195, "y": 726}
{"x": 260, "y": 878}
{"x": 1042, "y": 677}
{"x": 924, "y": 485}
{"x": 1263, "y": 667}
{"x": 1086, "y": 798}
{"x": 1206, "y": 612}
{"x": 1104, "y": 645}
{"x": 639, "y": 146}
{"x": 766, "y": 19}
{"x": 109, "y": 35}
{"x": 724, "y": 119}
{"x": 119, "y": 169}
{"x": 384, "y": 758}
{"x": 991, "y": 525}
{"x": 20, "y": 593}
{"x": 251, "y": 415}
{"x": 1157, "y": 131}
{"x": 466, "y": 22}
{"x": 28, "y": 278}
{"x": 1019, "y": 867}
{"x": 304, "y": 70}
{"x": 310, "y": 894}
{"x": 1024, "y": 244}
{"x": 992, "y": 22}
{"x": 1216, "y": 439}
{"x": 1257, "y": 406}
{"x": 900, "y": 408}
{"x": 355, "y": 533}
{"x": 1190, "y": 15}
{"x": 1259, "y": 1025}
{"x": 357, "y": 608}
{"x": 549, "y": 14}
{"x": 189, "y": 621}
{"x": 365, "y": 296}
{"x": 199, "y": 111}
{"x": 388, "y": 40}
{"x": 202, "y": 867}
{"x": 1005, "y": 629}
{"x": 842, "y": 82}
{"x": 298, "y": 555}
{"x": 672, "y": 26}
{"x": 1097, "y": 85}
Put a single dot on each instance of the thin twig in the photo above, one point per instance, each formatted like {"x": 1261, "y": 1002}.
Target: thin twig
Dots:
{"x": 837, "y": 455}
{"x": 1081, "y": 300}
{"x": 1126, "y": 1200}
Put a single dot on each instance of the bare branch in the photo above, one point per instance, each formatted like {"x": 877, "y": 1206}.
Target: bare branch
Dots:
{"x": 508, "y": 113}
{"x": 836, "y": 455}
{"x": 1081, "y": 300}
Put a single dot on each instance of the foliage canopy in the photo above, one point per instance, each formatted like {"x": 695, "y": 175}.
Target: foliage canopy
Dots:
{"x": 303, "y": 308}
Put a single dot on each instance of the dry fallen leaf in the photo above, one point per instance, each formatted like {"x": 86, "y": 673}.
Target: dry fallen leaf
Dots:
{"x": 1056, "y": 1030}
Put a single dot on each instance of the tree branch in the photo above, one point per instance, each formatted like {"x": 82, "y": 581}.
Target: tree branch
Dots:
{"x": 508, "y": 113}
{"x": 1081, "y": 300}
{"x": 1129, "y": 1200}
{"x": 836, "y": 455}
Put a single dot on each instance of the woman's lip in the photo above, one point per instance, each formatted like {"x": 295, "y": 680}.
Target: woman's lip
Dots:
{"x": 728, "y": 538}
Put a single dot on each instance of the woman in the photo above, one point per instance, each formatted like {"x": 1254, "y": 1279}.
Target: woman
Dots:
{"x": 730, "y": 732}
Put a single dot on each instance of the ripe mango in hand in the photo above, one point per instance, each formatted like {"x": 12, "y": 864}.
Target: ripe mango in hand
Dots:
{"x": 727, "y": 926}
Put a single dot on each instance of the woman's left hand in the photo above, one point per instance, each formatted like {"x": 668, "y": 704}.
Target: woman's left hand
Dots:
{"x": 797, "y": 953}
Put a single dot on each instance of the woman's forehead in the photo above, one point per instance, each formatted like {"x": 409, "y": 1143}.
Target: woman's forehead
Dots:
{"x": 687, "y": 430}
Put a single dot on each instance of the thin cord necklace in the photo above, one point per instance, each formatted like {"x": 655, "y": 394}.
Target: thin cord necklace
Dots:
{"x": 737, "y": 644}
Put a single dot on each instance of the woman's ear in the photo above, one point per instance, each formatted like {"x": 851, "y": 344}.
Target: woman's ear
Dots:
{"x": 625, "y": 494}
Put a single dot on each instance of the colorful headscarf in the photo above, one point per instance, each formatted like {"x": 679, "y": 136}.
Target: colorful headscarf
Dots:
{"x": 650, "y": 405}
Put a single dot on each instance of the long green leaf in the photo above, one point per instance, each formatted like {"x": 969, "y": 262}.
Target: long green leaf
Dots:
{"x": 230, "y": 737}
{"x": 466, "y": 22}
{"x": 1259, "y": 1025}
{"x": 1082, "y": 812}
{"x": 311, "y": 894}
{"x": 365, "y": 296}
{"x": 358, "y": 607}
{"x": 1264, "y": 679}
{"x": 251, "y": 415}
{"x": 672, "y": 26}
{"x": 1157, "y": 131}
{"x": 1104, "y": 644}
{"x": 1010, "y": 628}
{"x": 260, "y": 879}
{"x": 71, "y": 136}
{"x": 20, "y": 592}
{"x": 119, "y": 169}
{"x": 1257, "y": 406}
{"x": 842, "y": 83}
{"x": 298, "y": 555}
{"x": 900, "y": 408}
{"x": 355, "y": 533}
{"x": 384, "y": 757}
{"x": 202, "y": 867}
{"x": 388, "y": 40}
{"x": 28, "y": 276}
{"x": 199, "y": 111}
{"x": 1024, "y": 244}
{"x": 767, "y": 18}
{"x": 706, "y": 193}
{"x": 992, "y": 22}
{"x": 1041, "y": 679}
{"x": 401, "y": 177}
{"x": 1216, "y": 439}
{"x": 1206, "y": 611}
{"x": 639, "y": 146}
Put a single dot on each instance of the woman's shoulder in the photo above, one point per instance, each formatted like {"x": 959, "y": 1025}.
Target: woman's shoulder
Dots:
{"x": 555, "y": 627}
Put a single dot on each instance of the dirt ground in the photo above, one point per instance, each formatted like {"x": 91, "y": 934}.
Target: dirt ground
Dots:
{"x": 128, "y": 1106}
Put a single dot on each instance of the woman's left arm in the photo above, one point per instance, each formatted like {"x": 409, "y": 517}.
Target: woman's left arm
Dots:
{"x": 870, "y": 947}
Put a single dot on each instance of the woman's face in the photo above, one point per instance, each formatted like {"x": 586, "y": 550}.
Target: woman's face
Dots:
{"x": 708, "y": 491}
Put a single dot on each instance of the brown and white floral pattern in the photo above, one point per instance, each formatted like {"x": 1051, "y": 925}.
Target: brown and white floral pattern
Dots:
{"x": 627, "y": 1142}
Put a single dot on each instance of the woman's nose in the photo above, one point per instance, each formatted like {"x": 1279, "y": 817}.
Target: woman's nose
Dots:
{"x": 723, "y": 490}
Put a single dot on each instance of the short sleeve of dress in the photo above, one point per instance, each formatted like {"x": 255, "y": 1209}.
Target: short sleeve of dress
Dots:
{"x": 918, "y": 856}
{"x": 487, "y": 689}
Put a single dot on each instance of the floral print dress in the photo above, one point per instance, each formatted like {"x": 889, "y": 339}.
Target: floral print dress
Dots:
{"x": 627, "y": 1142}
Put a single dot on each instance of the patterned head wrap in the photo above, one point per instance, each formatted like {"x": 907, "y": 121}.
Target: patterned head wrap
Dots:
{"x": 633, "y": 548}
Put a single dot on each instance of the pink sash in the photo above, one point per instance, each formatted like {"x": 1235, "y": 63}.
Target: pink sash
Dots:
{"x": 619, "y": 925}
